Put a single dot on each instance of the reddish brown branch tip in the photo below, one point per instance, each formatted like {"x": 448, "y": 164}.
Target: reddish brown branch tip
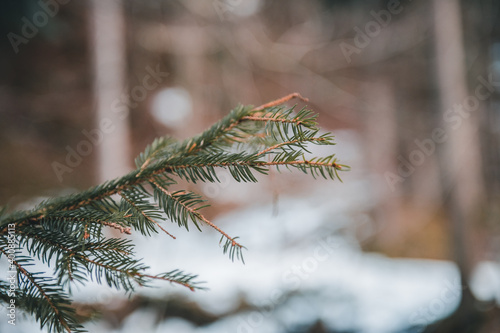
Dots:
{"x": 281, "y": 101}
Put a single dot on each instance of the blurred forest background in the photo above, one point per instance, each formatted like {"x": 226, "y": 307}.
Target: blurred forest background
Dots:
{"x": 412, "y": 87}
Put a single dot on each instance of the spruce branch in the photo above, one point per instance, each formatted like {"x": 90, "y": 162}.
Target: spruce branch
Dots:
{"x": 69, "y": 231}
{"x": 186, "y": 204}
{"x": 43, "y": 298}
{"x": 141, "y": 207}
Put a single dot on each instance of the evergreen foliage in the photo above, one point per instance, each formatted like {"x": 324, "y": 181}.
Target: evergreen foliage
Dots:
{"x": 68, "y": 232}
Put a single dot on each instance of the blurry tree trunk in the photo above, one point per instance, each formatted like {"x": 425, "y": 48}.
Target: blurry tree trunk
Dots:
{"x": 108, "y": 32}
{"x": 460, "y": 160}
{"x": 380, "y": 129}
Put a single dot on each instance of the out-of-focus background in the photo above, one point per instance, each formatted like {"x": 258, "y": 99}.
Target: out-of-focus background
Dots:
{"x": 409, "y": 242}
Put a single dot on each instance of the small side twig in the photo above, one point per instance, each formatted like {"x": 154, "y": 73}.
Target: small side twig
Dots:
{"x": 281, "y": 101}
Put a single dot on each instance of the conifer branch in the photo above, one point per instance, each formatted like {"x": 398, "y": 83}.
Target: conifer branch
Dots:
{"x": 186, "y": 206}
{"x": 132, "y": 204}
{"x": 288, "y": 143}
{"x": 273, "y": 120}
{"x": 42, "y": 247}
{"x": 51, "y": 295}
{"x": 42, "y": 292}
{"x": 176, "y": 277}
{"x": 69, "y": 230}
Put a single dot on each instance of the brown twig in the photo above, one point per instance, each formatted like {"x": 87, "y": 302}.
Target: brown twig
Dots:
{"x": 225, "y": 164}
{"x": 130, "y": 273}
{"x": 287, "y": 143}
{"x": 281, "y": 101}
{"x": 114, "y": 225}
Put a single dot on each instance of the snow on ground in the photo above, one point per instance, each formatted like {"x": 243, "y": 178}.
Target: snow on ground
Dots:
{"x": 308, "y": 251}
{"x": 333, "y": 280}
